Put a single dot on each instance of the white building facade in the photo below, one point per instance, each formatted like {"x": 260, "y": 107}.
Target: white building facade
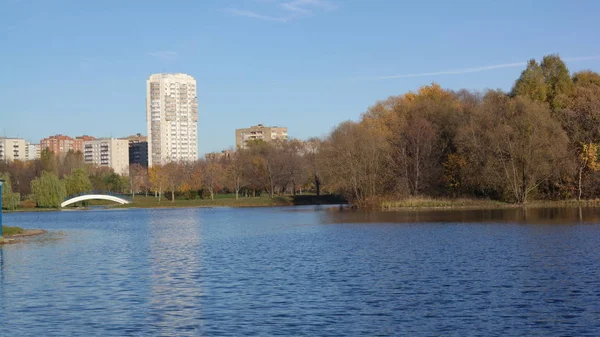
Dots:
{"x": 13, "y": 149}
{"x": 172, "y": 118}
{"x": 32, "y": 151}
{"x": 108, "y": 152}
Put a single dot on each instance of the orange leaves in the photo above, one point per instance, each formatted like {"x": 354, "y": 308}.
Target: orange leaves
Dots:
{"x": 157, "y": 177}
{"x": 453, "y": 167}
{"x": 589, "y": 156}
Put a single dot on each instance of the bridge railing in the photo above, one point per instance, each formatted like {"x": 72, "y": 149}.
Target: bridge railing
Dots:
{"x": 118, "y": 195}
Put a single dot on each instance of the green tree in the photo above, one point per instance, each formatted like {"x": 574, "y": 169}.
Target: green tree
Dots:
{"x": 531, "y": 83}
{"x": 10, "y": 199}
{"x": 48, "y": 162}
{"x": 557, "y": 79}
{"x": 48, "y": 190}
{"x": 77, "y": 182}
{"x": 116, "y": 183}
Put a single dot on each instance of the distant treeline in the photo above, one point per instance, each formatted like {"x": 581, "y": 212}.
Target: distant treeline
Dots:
{"x": 539, "y": 141}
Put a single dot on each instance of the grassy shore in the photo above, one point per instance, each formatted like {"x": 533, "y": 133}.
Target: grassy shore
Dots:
{"x": 221, "y": 200}
{"x": 140, "y": 201}
{"x": 8, "y": 231}
{"x": 461, "y": 203}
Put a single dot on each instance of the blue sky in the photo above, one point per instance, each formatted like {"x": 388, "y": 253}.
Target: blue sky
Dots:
{"x": 79, "y": 67}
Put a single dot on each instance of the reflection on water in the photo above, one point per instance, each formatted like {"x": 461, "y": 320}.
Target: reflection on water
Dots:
{"x": 565, "y": 215}
{"x": 176, "y": 267}
{"x": 303, "y": 271}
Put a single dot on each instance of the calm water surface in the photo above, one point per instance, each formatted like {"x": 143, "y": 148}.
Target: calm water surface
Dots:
{"x": 303, "y": 271}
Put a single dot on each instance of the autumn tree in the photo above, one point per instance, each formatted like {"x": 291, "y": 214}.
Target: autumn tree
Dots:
{"x": 233, "y": 176}
{"x": 254, "y": 166}
{"x": 157, "y": 177}
{"x": 419, "y": 128}
{"x": 357, "y": 166}
{"x": 586, "y": 78}
{"x": 212, "y": 174}
{"x": 581, "y": 120}
{"x": 71, "y": 161}
{"x": 21, "y": 173}
{"x": 138, "y": 176}
{"x": 195, "y": 176}
{"x": 312, "y": 148}
{"x": 513, "y": 144}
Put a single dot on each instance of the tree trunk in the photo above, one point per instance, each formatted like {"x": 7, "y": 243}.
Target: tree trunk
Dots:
{"x": 173, "y": 195}
{"x": 579, "y": 183}
{"x": 318, "y": 185}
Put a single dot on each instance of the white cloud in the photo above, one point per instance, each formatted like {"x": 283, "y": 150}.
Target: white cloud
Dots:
{"x": 473, "y": 69}
{"x": 306, "y": 6}
{"x": 254, "y": 15}
{"x": 284, "y": 11}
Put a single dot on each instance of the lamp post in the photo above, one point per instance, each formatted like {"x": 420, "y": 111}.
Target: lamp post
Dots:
{"x": 1, "y": 181}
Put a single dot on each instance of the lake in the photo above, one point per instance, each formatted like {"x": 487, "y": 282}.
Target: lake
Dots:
{"x": 313, "y": 271}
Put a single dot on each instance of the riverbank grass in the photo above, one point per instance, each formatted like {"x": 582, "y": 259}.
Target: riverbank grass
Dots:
{"x": 8, "y": 231}
{"x": 229, "y": 200}
{"x": 425, "y": 202}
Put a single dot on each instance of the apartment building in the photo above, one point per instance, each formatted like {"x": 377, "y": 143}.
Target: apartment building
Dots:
{"x": 32, "y": 151}
{"x": 172, "y": 118}
{"x": 57, "y": 144}
{"x": 108, "y": 152}
{"x": 61, "y": 144}
{"x": 266, "y": 133}
{"x": 216, "y": 156}
{"x": 138, "y": 149}
{"x": 13, "y": 149}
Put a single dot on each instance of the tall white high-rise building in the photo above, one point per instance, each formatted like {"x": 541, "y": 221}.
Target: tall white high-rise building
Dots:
{"x": 172, "y": 117}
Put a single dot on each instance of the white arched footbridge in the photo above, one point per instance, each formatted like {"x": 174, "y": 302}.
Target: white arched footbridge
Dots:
{"x": 94, "y": 197}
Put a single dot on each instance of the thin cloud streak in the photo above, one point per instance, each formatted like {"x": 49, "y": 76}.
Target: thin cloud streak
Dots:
{"x": 474, "y": 69}
{"x": 254, "y": 15}
{"x": 300, "y": 6}
{"x": 286, "y": 11}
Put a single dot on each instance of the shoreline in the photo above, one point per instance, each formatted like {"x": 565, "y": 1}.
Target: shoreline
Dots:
{"x": 441, "y": 205}
{"x": 15, "y": 238}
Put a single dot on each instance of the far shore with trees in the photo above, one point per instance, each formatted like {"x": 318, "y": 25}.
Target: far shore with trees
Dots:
{"x": 537, "y": 144}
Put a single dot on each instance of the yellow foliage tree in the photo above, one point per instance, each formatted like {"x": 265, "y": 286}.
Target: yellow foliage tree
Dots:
{"x": 588, "y": 161}
{"x": 158, "y": 179}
